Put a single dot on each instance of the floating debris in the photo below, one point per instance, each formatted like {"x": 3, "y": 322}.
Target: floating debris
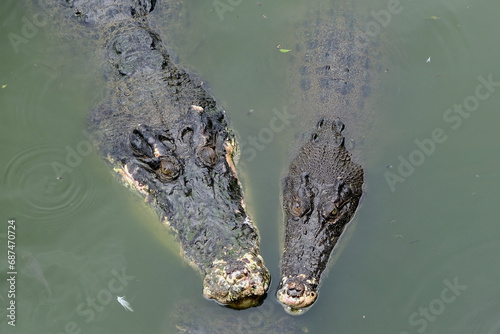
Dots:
{"x": 429, "y": 60}
{"x": 124, "y": 303}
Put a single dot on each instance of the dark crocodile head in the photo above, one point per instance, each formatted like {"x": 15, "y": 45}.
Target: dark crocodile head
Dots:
{"x": 320, "y": 195}
{"x": 186, "y": 172}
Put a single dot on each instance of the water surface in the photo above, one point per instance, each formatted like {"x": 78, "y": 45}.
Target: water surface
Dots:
{"x": 422, "y": 256}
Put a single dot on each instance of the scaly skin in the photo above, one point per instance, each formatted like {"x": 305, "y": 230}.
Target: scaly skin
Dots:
{"x": 166, "y": 139}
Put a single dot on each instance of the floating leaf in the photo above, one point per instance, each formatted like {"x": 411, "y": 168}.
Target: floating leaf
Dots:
{"x": 3, "y": 86}
{"x": 285, "y": 50}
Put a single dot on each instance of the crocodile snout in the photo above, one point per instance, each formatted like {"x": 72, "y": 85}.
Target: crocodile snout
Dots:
{"x": 295, "y": 295}
{"x": 239, "y": 284}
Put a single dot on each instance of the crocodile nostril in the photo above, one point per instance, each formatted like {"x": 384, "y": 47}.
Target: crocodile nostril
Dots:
{"x": 296, "y": 290}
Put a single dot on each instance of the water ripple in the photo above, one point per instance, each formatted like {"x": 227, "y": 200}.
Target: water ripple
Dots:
{"x": 32, "y": 180}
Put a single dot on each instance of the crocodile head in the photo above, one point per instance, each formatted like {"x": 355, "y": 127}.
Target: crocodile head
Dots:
{"x": 186, "y": 171}
{"x": 320, "y": 195}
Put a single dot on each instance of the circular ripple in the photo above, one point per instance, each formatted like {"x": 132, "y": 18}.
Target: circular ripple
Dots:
{"x": 32, "y": 179}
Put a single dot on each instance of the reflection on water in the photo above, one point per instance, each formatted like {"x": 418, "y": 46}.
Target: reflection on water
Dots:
{"x": 83, "y": 230}
{"x": 189, "y": 316}
{"x": 33, "y": 269}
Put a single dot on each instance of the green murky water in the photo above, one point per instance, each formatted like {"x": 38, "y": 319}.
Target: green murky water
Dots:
{"x": 421, "y": 258}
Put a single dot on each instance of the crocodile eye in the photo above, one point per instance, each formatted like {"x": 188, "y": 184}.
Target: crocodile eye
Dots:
{"x": 329, "y": 211}
{"x": 207, "y": 156}
{"x": 170, "y": 168}
{"x": 296, "y": 209}
{"x": 300, "y": 208}
{"x": 333, "y": 213}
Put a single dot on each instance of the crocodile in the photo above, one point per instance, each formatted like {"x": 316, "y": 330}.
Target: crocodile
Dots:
{"x": 334, "y": 68}
{"x": 168, "y": 141}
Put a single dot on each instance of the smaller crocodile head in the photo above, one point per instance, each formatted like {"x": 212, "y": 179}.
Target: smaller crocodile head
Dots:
{"x": 320, "y": 195}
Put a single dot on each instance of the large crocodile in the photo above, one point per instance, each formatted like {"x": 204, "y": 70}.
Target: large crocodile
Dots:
{"x": 167, "y": 140}
{"x": 334, "y": 62}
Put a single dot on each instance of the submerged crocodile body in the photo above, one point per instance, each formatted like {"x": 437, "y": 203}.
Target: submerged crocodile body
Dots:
{"x": 165, "y": 137}
{"x": 334, "y": 61}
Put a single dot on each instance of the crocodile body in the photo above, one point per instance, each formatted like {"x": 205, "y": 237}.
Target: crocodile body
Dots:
{"x": 334, "y": 70}
{"x": 167, "y": 140}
